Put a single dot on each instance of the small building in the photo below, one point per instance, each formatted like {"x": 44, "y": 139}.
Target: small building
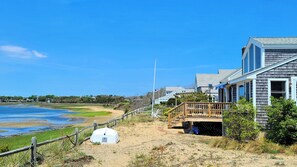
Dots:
{"x": 170, "y": 92}
{"x": 206, "y": 82}
{"x": 269, "y": 69}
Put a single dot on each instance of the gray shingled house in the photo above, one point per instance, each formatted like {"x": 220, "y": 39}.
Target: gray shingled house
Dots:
{"x": 269, "y": 69}
{"x": 206, "y": 82}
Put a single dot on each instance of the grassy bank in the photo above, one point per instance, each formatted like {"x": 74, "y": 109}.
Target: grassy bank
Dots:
{"x": 15, "y": 142}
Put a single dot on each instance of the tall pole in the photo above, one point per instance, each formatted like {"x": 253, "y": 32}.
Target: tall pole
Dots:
{"x": 154, "y": 84}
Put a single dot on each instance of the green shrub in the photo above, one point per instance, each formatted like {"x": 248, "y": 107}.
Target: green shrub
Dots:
{"x": 4, "y": 148}
{"x": 282, "y": 121}
{"x": 239, "y": 121}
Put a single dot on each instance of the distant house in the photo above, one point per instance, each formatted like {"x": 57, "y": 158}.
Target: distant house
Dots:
{"x": 269, "y": 69}
{"x": 170, "y": 92}
{"x": 206, "y": 82}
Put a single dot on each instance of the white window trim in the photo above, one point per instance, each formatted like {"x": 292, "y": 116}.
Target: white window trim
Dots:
{"x": 293, "y": 87}
{"x": 254, "y": 92}
{"x": 277, "y": 79}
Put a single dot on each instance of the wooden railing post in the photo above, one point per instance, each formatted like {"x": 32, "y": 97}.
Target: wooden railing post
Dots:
{"x": 209, "y": 109}
{"x": 95, "y": 125}
{"x": 76, "y": 137}
{"x": 185, "y": 108}
{"x": 33, "y": 151}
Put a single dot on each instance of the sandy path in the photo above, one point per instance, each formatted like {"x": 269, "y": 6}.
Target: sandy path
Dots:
{"x": 178, "y": 149}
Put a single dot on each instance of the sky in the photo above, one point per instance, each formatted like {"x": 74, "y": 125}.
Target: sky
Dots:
{"x": 92, "y": 47}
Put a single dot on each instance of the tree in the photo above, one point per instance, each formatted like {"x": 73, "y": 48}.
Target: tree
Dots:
{"x": 171, "y": 102}
{"x": 239, "y": 121}
{"x": 282, "y": 121}
{"x": 194, "y": 97}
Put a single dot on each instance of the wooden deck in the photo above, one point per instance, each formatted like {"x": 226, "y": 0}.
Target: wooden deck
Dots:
{"x": 197, "y": 112}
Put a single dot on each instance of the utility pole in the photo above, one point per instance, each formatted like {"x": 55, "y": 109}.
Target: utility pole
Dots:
{"x": 154, "y": 84}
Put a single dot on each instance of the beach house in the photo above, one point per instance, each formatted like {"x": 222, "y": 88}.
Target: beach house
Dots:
{"x": 269, "y": 69}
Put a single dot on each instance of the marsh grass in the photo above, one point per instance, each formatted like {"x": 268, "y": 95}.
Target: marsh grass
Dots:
{"x": 15, "y": 142}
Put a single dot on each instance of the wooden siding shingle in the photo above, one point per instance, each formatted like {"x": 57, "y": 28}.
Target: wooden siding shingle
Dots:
{"x": 287, "y": 70}
{"x": 276, "y": 55}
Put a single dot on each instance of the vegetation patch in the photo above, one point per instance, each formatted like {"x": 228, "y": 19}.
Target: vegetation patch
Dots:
{"x": 239, "y": 121}
{"x": 154, "y": 159}
{"x": 85, "y": 112}
{"x": 15, "y": 142}
{"x": 282, "y": 121}
{"x": 260, "y": 145}
{"x": 142, "y": 117}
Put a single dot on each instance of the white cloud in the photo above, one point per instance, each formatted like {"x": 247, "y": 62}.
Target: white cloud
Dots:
{"x": 20, "y": 52}
{"x": 38, "y": 54}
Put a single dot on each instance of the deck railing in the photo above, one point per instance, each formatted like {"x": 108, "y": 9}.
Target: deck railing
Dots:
{"x": 197, "y": 109}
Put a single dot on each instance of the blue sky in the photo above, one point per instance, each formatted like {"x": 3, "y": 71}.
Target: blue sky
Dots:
{"x": 84, "y": 47}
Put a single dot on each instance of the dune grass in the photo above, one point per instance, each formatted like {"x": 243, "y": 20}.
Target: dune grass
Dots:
{"x": 260, "y": 145}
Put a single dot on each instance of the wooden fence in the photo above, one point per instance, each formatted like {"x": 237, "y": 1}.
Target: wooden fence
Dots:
{"x": 34, "y": 145}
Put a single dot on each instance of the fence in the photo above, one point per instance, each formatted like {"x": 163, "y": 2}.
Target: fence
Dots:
{"x": 34, "y": 145}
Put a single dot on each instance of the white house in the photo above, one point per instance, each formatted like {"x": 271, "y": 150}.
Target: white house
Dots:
{"x": 170, "y": 92}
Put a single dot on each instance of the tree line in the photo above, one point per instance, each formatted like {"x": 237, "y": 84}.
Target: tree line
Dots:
{"x": 66, "y": 99}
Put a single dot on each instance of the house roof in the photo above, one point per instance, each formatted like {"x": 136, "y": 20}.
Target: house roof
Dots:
{"x": 277, "y": 41}
{"x": 214, "y": 79}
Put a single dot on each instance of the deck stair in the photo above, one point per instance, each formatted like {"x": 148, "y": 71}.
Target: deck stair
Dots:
{"x": 196, "y": 112}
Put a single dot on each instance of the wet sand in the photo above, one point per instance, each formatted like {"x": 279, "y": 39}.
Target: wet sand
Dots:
{"x": 31, "y": 123}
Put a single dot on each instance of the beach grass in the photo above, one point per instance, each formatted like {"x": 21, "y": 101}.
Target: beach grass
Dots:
{"x": 14, "y": 142}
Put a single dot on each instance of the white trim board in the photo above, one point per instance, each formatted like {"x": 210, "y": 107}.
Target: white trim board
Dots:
{"x": 293, "y": 89}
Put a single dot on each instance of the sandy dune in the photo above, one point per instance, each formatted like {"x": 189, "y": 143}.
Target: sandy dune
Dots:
{"x": 175, "y": 149}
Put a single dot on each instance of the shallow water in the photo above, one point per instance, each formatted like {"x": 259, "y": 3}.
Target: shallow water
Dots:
{"x": 54, "y": 118}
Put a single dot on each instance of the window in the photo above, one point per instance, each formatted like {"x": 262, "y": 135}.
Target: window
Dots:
{"x": 258, "y": 57}
{"x": 251, "y": 57}
{"x": 241, "y": 91}
{"x": 245, "y": 64}
{"x": 278, "y": 89}
{"x": 247, "y": 91}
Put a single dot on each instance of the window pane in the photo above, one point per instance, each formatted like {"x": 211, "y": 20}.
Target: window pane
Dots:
{"x": 251, "y": 56}
{"x": 277, "y": 86}
{"x": 241, "y": 91}
{"x": 247, "y": 91}
{"x": 246, "y": 64}
{"x": 258, "y": 57}
{"x": 278, "y": 89}
{"x": 278, "y": 95}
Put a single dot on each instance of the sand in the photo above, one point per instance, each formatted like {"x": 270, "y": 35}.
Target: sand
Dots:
{"x": 23, "y": 124}
{"x": 175, "y": 149}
